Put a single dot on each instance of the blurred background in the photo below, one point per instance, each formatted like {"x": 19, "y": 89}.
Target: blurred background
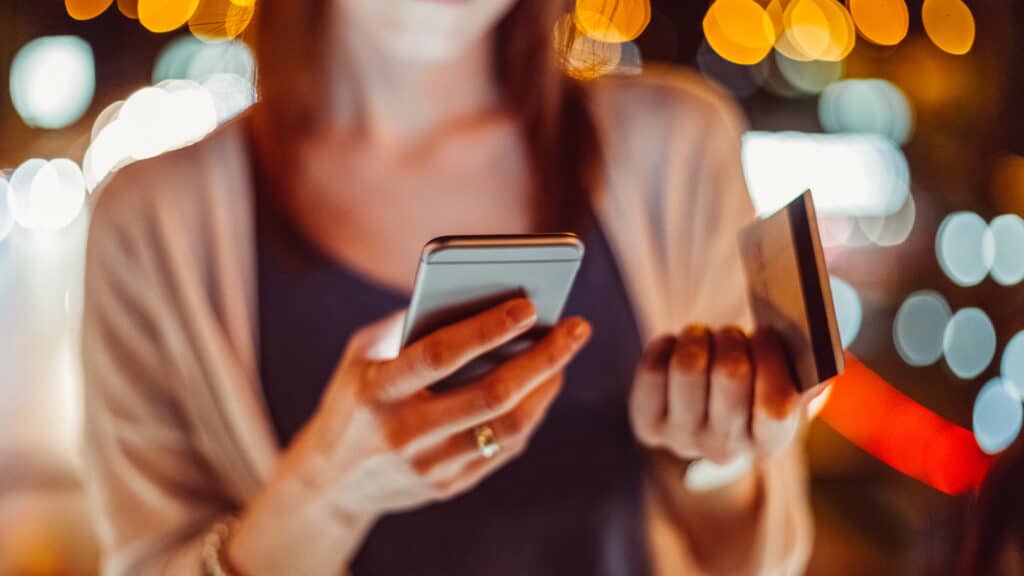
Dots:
{"x": 902, "y": 116}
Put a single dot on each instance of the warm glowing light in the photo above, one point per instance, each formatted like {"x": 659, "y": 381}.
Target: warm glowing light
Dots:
{"x": 614, "y": 22}
{"x": 998, "y": 415}
{"x": 582, "y": 56}
{"x": 867, "y": 106}
{"x": 902, "y": 433}
{"x": 949, "y": 24}
{"x": 849, "y": 313}
{"x": 1003, "y": 248}
{"x": 130, "y": 8}
{"x": 919, "y": 326}
{"x": 969, "y": 343}
{"x": 166, "y": 15}
{"x": 217, "y": 20}
{"x": 848, "y": 174}
{"x": 1012, "y": 365}
{"x": 47, "y": 195}
{"x": 816, "y": 30}
{"x": 739, "y": 30}
{"x": 86, "y": 9}
{"x": 53, "y": 79}
{"x": 959, "y": 247}
{"x": 883, "y": 22}
{"x": 6, "y": 216}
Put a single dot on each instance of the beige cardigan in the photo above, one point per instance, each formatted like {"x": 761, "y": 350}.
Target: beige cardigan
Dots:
{"x": 177, "y": 433}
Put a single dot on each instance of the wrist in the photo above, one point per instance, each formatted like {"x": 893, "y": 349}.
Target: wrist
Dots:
{"x": 290, "y": 527}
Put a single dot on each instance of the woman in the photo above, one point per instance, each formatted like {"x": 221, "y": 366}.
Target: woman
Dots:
{"x": 226, "y": 280}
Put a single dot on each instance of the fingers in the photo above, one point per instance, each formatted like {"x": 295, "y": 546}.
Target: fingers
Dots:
{"x": 648, "y": 405}
{"x": 503, "y": 388}
{"x": 512, "y": 432}
{"x": 731, "y": 394}
{"x": 441, "y": 353}
{"x": 688, "y": 382}
{"x": 776, "y": 412}
{"x": 379, "y": 340}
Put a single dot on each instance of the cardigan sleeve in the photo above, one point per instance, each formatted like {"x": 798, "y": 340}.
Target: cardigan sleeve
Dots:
{"x": 151, "y": 495}
{"x": 703, "y": 206}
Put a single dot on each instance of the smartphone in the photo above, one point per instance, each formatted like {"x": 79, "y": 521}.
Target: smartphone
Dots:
{"x": 460, "y": 276}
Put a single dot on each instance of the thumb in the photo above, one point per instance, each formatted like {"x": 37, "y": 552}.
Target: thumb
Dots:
{"x": 380, "y": 340}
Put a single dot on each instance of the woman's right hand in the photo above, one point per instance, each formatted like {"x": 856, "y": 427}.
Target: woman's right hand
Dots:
{"x": 381, "y": 442}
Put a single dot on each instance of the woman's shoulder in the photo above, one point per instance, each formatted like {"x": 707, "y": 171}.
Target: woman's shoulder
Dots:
{"x": 664, "y": 97}
{"x": 176, "y": 182}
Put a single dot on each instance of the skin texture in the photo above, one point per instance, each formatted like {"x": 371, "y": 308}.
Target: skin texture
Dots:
{"x": 426, "y": 134}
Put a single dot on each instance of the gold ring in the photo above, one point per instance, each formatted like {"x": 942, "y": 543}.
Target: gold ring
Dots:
{"x": 486, "y": 441}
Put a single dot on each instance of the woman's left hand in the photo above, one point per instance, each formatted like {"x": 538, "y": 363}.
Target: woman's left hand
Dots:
{"x": 716, "y": 395}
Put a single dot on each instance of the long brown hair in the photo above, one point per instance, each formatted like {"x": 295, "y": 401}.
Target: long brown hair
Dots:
{"x": 560, "y": 135}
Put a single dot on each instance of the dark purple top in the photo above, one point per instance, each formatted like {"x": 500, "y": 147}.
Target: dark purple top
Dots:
{"x": 571, "y": 504}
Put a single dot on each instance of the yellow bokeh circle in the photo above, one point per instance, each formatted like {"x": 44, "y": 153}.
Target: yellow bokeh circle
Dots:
{"x": 130, "y": 8}
{"x": 166, "y": 15}
{"x": 949, "y": 24}
{"x": 608, "y": 21}
{"x": 582, "y": 56}
{"x": 86, "y": 9}
{"x": 816, "y": 30}
{"x": 740, "y": 31}
{"x": 883, "y": 22}
{"x": 216, "y": 20}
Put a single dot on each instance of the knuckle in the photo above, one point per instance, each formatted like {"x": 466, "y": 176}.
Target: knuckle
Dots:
{"x": 734, "y": 366}
{"x": 691, "y": 357}
{"x": 495, "y": 394}
{"x": 433, "y": 355}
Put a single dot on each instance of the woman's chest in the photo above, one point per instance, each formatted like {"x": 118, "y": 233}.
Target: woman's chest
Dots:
{"x": 375, "y": 215}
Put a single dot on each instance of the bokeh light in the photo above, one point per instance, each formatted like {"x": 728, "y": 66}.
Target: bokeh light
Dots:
{"x": 740, "y": 80}
{"x": 583, "y": 56}
{"x": 740, "y": 31}
{"x": 216, "y": 20}
{"x": 969, "y": 342}
{"x": 849, "y": 312}
{"x": 949, "y": 24}
{"x": 959, "y": 247}
{"x": 893, "y": 229}
{"x": 866, "y": 106}
{"x": 86, "y": 9}
{"x": 816, "y": 30}
{"x": 47, "y": 195}
{"x": 153, "y": 120}
{"x": 1012, "y": 364}
{"x": 52, "y": 81}
{"x": 1003, "y": 247}
{"x": 848, "y": 174}
{"x": 231, "y": 94}
{"x": 919, "y": 327}
{"x": 6, "y": 216}
{"x": 166, "y": 15}
{"x": 186, "y": 58}
{"x": 809, "y": 77}
{"x": 997, "y": 417}
{"x": 883, "y": 22}
{"x": 130, "y": 8}
{"x": 613, "y": 22}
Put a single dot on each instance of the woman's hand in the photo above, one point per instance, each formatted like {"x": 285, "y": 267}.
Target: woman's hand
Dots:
{"x": 716, "y": 395}
{"x": 381, "y": 442}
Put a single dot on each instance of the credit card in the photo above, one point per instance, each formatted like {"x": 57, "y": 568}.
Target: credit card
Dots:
{"x": 789, "y": 290}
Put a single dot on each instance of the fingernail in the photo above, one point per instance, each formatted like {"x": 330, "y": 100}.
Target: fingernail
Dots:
{"x": 520, "y": 311}
{"x": 579, "y": 330}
